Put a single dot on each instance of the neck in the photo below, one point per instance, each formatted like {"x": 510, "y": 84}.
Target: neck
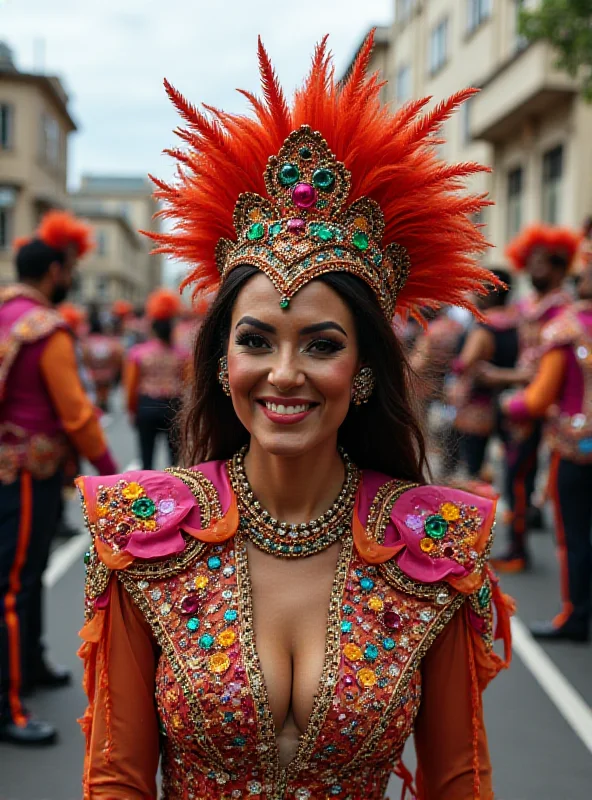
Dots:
{"x": 37, "y": 286}
{"x": 297, "y": 488}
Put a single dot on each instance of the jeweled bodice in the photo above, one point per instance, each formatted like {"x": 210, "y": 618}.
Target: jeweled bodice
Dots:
{"x": 219, "y": 736}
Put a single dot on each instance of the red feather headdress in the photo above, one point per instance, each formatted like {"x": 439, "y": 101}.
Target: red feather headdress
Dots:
{"x": 163, "y": 304}
{"x": 392, "y": 209}
{"x": 61, "y": 230}
{"x": 562, "y": 241}
{"x": 122, "y": 308}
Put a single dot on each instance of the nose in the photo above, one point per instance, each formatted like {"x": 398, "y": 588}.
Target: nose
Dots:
{"x": 286, "y": 373}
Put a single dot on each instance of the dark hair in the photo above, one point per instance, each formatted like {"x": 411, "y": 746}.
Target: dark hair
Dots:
{"x": 383, "y": 434}
{"x": 163, "y": 329}
{"x": 94, "y": 320}
{"x": 500, "y": 296}
{"x": 34, "y": 259}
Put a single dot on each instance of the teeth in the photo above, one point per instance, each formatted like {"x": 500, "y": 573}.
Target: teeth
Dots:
{"x": 281, "y": 409}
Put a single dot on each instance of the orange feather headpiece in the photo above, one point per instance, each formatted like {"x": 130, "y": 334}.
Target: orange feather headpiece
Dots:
{"x": 163, "y": 304}
{"x": 333, "y": 182}
{"x": 122, "y": 308}
{"x": 555, "y": 240}
{"x": 61, "y": 230}
{"x": 72, "y": 315}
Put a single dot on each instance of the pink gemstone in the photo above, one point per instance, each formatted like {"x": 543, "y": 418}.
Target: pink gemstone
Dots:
{"x": 296, "y": 225}
{"x": 190, "y": 604}
{"x": 392, "y": 620}
{"x": 348, "y": 680}
{"x": 304, "y": 195}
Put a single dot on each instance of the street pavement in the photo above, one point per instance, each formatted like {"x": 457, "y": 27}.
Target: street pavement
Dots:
{"x": 536, "y": 753}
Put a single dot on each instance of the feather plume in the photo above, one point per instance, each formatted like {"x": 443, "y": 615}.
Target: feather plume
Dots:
{"x": 554, "y": 239}
{"x": 60, "y": 230}
{"x": 163, "y": 304}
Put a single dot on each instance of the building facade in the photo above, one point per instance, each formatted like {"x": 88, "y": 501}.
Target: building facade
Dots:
{"x": 528, "y": 123}
{"x": 119, "y": 207}
{"x": 35, "y": 125}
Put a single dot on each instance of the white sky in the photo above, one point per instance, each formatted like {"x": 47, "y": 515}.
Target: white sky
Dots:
{"x": 113, "y": 54}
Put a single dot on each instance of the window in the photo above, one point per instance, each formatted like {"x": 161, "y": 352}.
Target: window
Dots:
{"x": 515, "y": 188}
{"x": 477, "y": 12}
{"x": 50, "y": 140}
{"x": 102, "y": 288}
{"x": 403, "y": 84}
{"x": 101, "y": 243}
{"x": 552, "y": 175}
{"x": 438, "y": 46}
{"x": 6, "y": 126}
{"x": 7, "y": 203}
{"x": 465, "y": 121}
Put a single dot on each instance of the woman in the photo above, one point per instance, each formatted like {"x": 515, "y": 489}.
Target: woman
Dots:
{"x": 293, "y": 659}
{"x": 102, "y": 356}
{"x": 154, "y": 378}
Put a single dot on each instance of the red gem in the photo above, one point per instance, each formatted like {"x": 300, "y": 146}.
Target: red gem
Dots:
{"x": 392, "y": 620}
{"x": 304, "y": 195}
{"x": 120, "y": 540}
{"x": 296, "y": 225}
{"x": 348, "y": 680}
{"x": 190, "y": 604}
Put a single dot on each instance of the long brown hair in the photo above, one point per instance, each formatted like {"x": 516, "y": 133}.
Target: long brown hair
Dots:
{"x": 383, "y": 435}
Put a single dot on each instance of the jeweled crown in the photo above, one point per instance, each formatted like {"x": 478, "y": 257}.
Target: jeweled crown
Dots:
{"x": 305, "y": 230}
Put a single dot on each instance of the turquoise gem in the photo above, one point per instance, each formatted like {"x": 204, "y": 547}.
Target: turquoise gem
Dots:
{"x": 330, "y": 748}
{"x": 214, "y": 562}
{"x": 289, "y": 174}
{"x": 378, "y": 259}
{"x": 347, "y": 609}
{"x": 228, "y": 716}
{"x": 335, "y": 789}
{"x": 256, "y": 231}
{"x": 436, "y": 526}
{"x": 370, "y": 652}
{"x": 143, "y": 507}
{"x": 367, "y": 584}
{"x": 275, "y": 228}
{"x": 323, "y": 233}
{"x": 230, "y": 615}
{"x": 346, "y": 626}
{"x": 239, "y": 741}
{"x": 323, "y": 179}
{"x": 305, "y": 153}
{"x": 484, "y": 596}
{"x": 206, "y": 641}
{"x": 192, "y": 624}
{"x": 284, "y": 303}
{"x": 388, "y": 643}
{"x": 360, "y": 240}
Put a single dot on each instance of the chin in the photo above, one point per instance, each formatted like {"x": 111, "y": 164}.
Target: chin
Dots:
{"x": 290, "y": 445}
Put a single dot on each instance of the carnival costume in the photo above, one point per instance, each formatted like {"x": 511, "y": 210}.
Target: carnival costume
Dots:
{"x": 153, "y": 377}
{"x": 522, "y": 439}
{"x": 334, "y": 183}
{"x": 44, "y": 413}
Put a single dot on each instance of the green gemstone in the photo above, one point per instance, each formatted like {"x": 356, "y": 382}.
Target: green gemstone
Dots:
{"x": 289, "y": 174}
{"x": 256, "y": 231}
{"x": 323, "y": 233}
{"x": 323, "y": 179}
{"x": 484, "y": 596}
{"x": 275, "y": 228}
{"x": 192, "y": 624}
{"x": 436, "y": 526}
{"x": 86, "y": 557}
{"x": 284, "y": 303}
{"x": 360, "y": 240}
{"x": 206, "y": 641}
{"x": 305, "y": 153}
{"x": 143, "y": 507}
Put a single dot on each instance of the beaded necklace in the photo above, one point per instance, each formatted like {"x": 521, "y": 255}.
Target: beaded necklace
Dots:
{"x": 282, "y": 538}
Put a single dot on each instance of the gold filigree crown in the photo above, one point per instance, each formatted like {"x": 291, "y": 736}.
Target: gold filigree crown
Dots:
{"x": 305, "y": 231}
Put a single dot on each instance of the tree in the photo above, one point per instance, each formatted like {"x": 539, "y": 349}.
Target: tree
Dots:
{"x": 567, "y": 25}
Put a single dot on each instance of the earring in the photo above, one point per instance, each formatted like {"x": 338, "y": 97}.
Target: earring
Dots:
{"x": 223, "y": 375}
{"x": 363, "y": 386}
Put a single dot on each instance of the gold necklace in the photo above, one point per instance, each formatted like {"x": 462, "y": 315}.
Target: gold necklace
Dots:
{"x": 282, "y": 538}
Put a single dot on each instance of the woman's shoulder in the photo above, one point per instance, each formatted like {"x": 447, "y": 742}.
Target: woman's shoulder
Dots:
{"x": 149, "y": 515}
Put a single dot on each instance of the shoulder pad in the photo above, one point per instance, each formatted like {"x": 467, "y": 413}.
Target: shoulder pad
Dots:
{"x": 562, "y": 330}
{"x": 36, "y": 324}
{"x": 440, "y": 535}
{"x": 148, "y": 516}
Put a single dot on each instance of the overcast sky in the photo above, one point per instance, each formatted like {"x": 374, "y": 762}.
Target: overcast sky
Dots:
{"x": 113, "y": 54}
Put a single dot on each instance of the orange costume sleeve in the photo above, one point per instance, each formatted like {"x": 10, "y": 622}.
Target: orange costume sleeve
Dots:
{"x": 444, "y": 726}
{"x": 73, "y": 406}
{"x": 543, "y": 391}
{"x": 122, "y": 748}
{"x": 131, "y": 381}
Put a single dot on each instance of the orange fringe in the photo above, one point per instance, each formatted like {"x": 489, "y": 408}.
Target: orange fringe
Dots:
{"x": 403, "y": 773}
{"x": 370, "y": 551}
{"x": 476, "y": 707}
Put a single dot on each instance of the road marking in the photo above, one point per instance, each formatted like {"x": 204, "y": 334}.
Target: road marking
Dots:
{"x": 570, "y": 704}
{"x": 63, "y": 557}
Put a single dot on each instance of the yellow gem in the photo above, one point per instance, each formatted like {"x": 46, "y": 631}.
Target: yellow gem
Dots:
{"x": 427, "y": 544}
{"x": 367, "y": 678}
{"x": 255, "y": 215}
{"x": 352, "y": 652}
{"x": 177, "y": 721}
{"x": 132, "y": 491}
{"x": 150, "y": 524}
{"x": 201, "y": 582}
{"x": 361, "y": 223}
{"x": 219, "y": 663}
{"x": 226, "y": 638}
{"x": 102, "y": 511}
{"x": 450, "y": 511}
{"x": 375, "y": 604}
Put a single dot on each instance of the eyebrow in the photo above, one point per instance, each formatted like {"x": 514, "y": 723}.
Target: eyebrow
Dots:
{"x": 316, "y": 328}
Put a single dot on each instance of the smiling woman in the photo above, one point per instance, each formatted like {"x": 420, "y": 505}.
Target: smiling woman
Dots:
{"x": 290, "y": 610}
